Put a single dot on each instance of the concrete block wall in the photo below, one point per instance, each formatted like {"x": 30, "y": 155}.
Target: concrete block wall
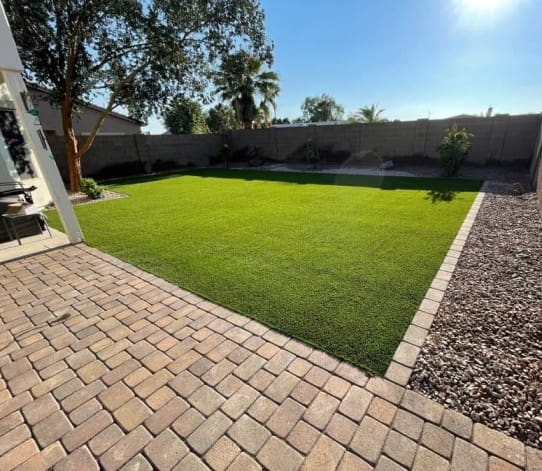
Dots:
{"x": 501, "y": 139}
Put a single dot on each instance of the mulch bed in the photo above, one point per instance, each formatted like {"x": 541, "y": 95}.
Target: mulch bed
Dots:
{"x": 483, "y": 356}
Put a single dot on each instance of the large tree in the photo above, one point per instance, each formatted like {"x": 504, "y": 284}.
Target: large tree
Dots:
{"x": 221, "y": 118}
{"x": 185, "y": 116}
{"x": 369, "y": 114}
{"x": 133, "y": 54}
{"x": 321, "y": 108}
{"x": 250, "y": 89}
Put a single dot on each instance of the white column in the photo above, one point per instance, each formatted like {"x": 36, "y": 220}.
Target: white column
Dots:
{"x": 31, "y": 128}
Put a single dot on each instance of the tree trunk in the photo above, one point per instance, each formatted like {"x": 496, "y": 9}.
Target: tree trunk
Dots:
{"x": 70, "y": 141}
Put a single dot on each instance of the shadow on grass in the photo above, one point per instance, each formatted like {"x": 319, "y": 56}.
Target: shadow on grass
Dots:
{"x": 439, "y": 189}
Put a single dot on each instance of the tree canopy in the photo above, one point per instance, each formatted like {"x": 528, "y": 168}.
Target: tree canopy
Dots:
{"x": 249, "y": 88}
{"x": 134, "y": 54}
{"x": 221, "y": 118}
{"x": 321, "y": 108}
{"x": 185, "y": 116}
{"x": 369, "y": 114}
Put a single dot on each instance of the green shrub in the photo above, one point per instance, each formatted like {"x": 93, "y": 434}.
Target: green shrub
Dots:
{"x": 454, "y": 149}
{"x": 90, "y": 188}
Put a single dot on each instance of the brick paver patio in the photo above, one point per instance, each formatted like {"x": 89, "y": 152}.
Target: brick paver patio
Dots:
{"x": 104, "y": 366}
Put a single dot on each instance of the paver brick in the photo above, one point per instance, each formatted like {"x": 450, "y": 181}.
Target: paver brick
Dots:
{"x": 457, "y": 423}
{"x": 243, "y": 462}
{"x": 13, "y": 438}
{"x": 218, "y": 372}
{"x": 40, "y": 408}
{"x": 437, "y": 440}
{"x": 82, "y": 396}
{"x": 279, "y": 362}
{"x": 86, "y": 431}
{"x": 321, "y": 410}
{"x": 385, "y": 389}
{"x": 18, "y": 455}
{"x": 125, "y": 449}
{"x": 386, "y": 464}
{"x": 78, "y": 460}
{"x": 341, "y": 429}
{"x": 534, "y": 459}
{"x": 408, "y": 424}
{"x": 115, "y": 396}
{"x": 299, "y": 367}
{"x": 153, "y": 383}
{"x": 276, "y": 455}
{"x": 105, "y": 439}
{"x": 285, "y": 417}
{"x": 467, "y": 457}
{"x": 206, "y": 400}
{"x": 426, "y": 459}
{"x": 10, "y": 422}
{"x": 317, "y": 376}
{"x": 209, "y": 432}
{"x": 325, "y": 455}
{"x": 166, "y": 450}
{"x": 303, "y": 437}
{"x": 185, "y": 383}
{"x": 51, "y": 428}
{"x": 229, "y": 385}
{"x": 131, "y": 414}
{"x": 355, "y": 403}
{"x": 85, "y": 411}
{"x": 246, "y": 369}
{"x": 402, "y": 449}
{"x": 499, "y": 444}
{"x": 337, "y": 386}
{"x": 191, "y": 463}
{"x": 304, "y": 393}
{"x": 496, "y": 464}
{"x": 45, "y": 459}
{"x": 188, "y": 422}
{"x": 237, "y": 404}
{"x": 156, "y": 361}
{"x": 166, "y": 415}
{"x": 281, "y": 386}
{"x": 369, "y": 439}
{"x": 262, "y": 408}
{"x": 422, "y": 406}
{"x": 137, "y": 463}
{"x": 160, "y": 397}
{"x": 222, "y": 454}
{"x": 23, "y": 382}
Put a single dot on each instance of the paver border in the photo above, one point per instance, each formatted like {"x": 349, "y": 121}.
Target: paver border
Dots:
{"x": 406, "y": 354}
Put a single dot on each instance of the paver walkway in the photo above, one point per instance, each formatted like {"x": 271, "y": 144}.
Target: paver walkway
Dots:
{"x": 106, "y": 366}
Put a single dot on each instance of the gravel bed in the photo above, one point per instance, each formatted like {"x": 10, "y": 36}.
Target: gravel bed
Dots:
{"x": 82, "y": 198}
{"x": 483, "y": 356}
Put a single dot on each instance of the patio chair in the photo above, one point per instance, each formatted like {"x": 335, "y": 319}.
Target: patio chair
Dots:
{"x": 17, "y": 211}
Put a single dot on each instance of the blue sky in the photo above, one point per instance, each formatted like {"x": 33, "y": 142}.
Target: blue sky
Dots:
{"x": 414, "y": 58}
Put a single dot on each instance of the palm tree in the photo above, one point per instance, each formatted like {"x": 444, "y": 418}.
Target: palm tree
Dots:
{"x": 369, "y": 114}
{"x": 251, "y": 91}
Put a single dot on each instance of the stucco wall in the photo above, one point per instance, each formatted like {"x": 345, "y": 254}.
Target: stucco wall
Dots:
{"x": 51, "y": 120}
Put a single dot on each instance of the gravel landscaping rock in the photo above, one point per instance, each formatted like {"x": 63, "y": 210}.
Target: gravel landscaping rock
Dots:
{"x": 82, "y": 198}
{"x": 483, "y": 356}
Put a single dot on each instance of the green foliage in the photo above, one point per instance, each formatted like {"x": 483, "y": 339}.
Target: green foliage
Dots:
{"x": 321, "y": 108}
{"x": 368, "y": 114}
{"x": 185, "y": 116}
{"x": 90, "y": 188}
{"x": 339, "y": 261}
{"x": 454, "y": 148}
{"x": 280, "y": 121}
{"x": 221, "y": 118}
{"x": 131, "y": 53}
{"x": 250, "y": 90}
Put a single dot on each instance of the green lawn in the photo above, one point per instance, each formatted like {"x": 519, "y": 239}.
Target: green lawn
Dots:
{"x": 339, "y": 261}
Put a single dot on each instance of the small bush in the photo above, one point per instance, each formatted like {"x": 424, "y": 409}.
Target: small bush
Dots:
{"x": 90, "y": 188}
{"x": 454, "y": 149}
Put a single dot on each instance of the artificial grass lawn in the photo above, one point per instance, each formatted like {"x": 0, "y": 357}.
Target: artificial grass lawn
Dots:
{"x": 339, "y": 261}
